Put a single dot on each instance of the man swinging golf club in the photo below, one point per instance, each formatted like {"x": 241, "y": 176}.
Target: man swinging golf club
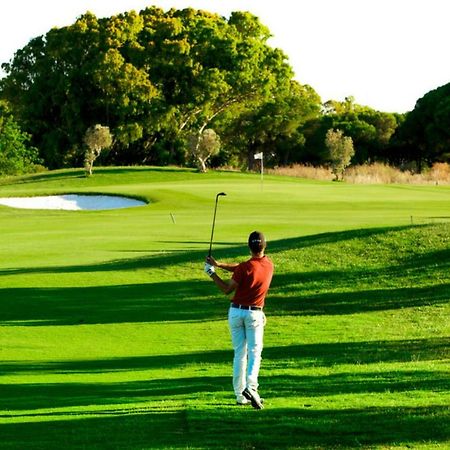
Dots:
{"x": 250, "y": 282}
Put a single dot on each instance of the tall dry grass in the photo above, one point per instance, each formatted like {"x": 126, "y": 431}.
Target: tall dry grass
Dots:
{"x": 302, "y": 171}
{"x": 377, "y": 173}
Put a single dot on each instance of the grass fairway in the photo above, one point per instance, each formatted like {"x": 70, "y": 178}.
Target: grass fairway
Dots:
{"x": 111, "y": 336}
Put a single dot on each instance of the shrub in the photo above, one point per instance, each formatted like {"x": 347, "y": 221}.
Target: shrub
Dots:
{"x": 340, "y": 150}
{"x": 440, "y": 173}
{"x": 204, "y": 145}
{"x": 96, "y": 139}
{"x": 16, "y": 157}
{"x": 377, "y": 173}
{"x": 302, "y": 171}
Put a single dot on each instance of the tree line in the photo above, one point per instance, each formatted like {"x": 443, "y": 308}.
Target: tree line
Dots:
{"x": 188, "y": 87}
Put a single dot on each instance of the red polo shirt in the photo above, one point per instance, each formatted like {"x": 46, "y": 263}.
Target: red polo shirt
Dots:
{"x": 253, "y": 278}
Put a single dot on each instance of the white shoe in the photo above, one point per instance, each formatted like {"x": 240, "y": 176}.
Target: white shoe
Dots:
{"x": 241, "y": 400}
{"x": 254, "y": 398}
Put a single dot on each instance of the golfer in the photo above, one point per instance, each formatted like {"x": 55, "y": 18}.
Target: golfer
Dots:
{"x": 250, "y": 283}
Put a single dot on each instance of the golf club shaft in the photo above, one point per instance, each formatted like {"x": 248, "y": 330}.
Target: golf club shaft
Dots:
{"x": 214, "y": 222}
{"x": 212, "y": 230}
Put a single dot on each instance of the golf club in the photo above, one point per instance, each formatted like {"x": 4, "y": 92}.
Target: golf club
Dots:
{"x": 214, "y": 221}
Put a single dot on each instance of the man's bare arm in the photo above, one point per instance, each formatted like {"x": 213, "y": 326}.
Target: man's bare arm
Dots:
{"x": 225, "y": 287}
{"x": 225, "y": 266}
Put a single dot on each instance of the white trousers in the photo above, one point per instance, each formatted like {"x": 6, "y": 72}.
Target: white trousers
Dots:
{"x": 247, "y": 333}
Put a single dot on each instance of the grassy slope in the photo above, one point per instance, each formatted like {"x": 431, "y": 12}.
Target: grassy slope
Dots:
{"x": 111, "y": 337}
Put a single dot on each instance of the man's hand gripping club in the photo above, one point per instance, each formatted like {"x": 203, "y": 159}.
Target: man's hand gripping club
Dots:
{"x": 209, "y": 269}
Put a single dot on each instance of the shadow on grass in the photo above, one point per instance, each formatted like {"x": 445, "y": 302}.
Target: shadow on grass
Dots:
{"x": 298, "y": 356}
{"x": 330, "y": 428}
{"x": 222, "y": 426}
{"x": 231, "y": 428}
{"x": 176, "y": 257}
{"x": 45, "y": 176}
{"x": 341, "y": 303}
{"x": 138, "y": 170}
{"x": 355, "y": 383}
{"x": 80, "y": 173}
{"x": 165, "y": 301}
{"x": 117, "y": 430}
{"x": 17, "y": 397}
{"x": 42, "y": 396}
{"x": 188, "y": 301}
{"x": 304, "y": 293}
{"x": 364, "y": 352}
{"x": 137, "y": 414}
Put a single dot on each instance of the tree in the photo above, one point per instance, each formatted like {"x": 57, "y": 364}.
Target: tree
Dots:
{"x": 154, "y": 78}
{"x": 424, "y": 136}
{"x": 203, "y": 147}
{"x": 16, "y": 156}
{"x": 74, "y": 76}
{"x": 371, "y": 131}
{"x": 340, "y": 150}
{"x": 275, "y": 126}
{"x": 49, "y": 86}
{"x": 210, "y": 70}
{"x": 96, "y": 139}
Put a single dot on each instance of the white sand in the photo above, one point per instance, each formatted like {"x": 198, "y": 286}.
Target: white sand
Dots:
{"x": 71, "y": 202}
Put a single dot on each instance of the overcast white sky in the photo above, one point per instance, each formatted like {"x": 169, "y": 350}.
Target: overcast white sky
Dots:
{"x": 385, "y": 53}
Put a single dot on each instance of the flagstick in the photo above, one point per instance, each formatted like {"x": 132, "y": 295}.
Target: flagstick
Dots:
{"x": 262, "y": 172}
{"x": 260, "y": 156}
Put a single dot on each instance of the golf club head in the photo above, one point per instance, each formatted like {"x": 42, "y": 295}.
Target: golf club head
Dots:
{"x": 221, "y": 193}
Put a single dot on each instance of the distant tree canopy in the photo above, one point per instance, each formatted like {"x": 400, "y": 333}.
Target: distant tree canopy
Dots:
{"x": 424, "y": 136}
{"x": 275, "y": 127}
{"x": 186, "y": 86}
{"x": 153, "y": 78}
{"x": 370, "y": 131}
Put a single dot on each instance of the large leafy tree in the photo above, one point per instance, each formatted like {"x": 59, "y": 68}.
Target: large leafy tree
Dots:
{"x": 424, "y": 136}
{"x": 210, "y": 70}
{"x": 49, "y": 86}
{"x": 154, "y": 78}
{"x": 64, "y": 82}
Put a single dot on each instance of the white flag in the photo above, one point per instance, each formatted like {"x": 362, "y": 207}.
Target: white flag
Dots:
{"x": 258, "y": 155}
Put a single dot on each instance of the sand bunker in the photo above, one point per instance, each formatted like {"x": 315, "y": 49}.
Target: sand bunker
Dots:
{"x": 72, "y": 202}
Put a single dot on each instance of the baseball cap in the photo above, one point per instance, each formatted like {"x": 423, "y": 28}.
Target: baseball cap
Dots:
{"x": 257, "y": 241}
